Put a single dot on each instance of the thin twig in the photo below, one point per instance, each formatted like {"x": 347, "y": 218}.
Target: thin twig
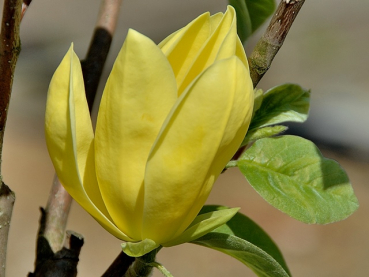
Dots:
{"x": 268, "y": 46}
{"x": 9, "y": 51}
{"x": 56, "y": 212}
{"x": 93, "y": 65}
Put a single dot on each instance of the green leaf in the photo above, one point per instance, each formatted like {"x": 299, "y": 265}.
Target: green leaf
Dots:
{"x": 244, "y": 240}
{"x": 291, "y": 174}
{"x": 251, "y": 14}
{"x": 202, "y": 225}
{"x": 288, "y": 102}
{"x": 265, "y": 132}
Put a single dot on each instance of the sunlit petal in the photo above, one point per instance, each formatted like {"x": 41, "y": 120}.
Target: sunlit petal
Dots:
{"x": 182, "y": 165}
{"x": 137, "y": 98}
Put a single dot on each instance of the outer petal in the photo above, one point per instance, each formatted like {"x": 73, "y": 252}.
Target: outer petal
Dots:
{"x": 138, "y": 96}
{"x": 69, "y": 138}
{"x": 200, "y": 135}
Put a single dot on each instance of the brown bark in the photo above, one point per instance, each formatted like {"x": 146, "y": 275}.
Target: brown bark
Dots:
{"x": 268, "y": 46}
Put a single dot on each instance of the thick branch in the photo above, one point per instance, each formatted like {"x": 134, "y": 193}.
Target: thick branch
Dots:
{"x": 9, "y": 51}
{"x": 7, "y": 199}
{"x": 56, "y": 213}
{"x": 268, "y": 46}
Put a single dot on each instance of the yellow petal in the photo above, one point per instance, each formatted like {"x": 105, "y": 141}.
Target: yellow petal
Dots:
{"x": 182, "y": 47}
{"x": 199, "y": 137}
{"x": 240, "y": 53}
{"x": 215, "y": 19}
{"x": 137, "y": 98}
{"x": 202, "y": 225}
{"x": 229, "y": 43}
{"x": 218, "y": 46}
{"x": 69, "y": 138}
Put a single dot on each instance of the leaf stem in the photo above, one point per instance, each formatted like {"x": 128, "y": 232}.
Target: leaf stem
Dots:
{"x": 162, "y": 269}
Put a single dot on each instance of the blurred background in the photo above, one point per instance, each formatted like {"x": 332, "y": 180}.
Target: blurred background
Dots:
{"x": 325, "y": 51}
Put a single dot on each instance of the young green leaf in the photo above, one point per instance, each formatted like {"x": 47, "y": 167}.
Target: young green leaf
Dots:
{"x": 288, "y": 102}
{"x": 265, "y": 132}
{"x": 244, "y": 240}
{"x": 291, "y": 174}
{"x": 251, "y": 14}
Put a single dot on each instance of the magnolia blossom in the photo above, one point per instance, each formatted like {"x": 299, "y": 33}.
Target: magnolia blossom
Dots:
{"x": 171, "y": 116}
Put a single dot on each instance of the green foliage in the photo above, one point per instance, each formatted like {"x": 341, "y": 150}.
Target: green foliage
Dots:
{"x": 251, "y": 14}
{"x": 288, "y": 102}
{"x": 292, "y": 175}
{"x": 244, "y": 240}
{"x": 202, "y": 225}
{"x": 265, "y": 132}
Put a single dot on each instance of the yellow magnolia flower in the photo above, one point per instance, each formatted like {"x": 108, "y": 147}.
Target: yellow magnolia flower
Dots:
{"x": 170, "y": 118}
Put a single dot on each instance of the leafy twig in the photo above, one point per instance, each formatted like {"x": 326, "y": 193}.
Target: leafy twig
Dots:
{"x": 268, "y": 46}
{"x": 9, "y": 51}
{"x": 56, "y": 212}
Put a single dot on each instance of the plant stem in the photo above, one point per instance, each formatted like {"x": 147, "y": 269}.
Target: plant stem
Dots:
{"x": 268, "y": 46}
{"x": 142, "y": 266}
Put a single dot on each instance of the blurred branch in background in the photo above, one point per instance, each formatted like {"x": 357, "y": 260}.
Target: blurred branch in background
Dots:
{"x": 9, "y": 51}
{"x": 25, "y": 6}
{"x": 268, "y": 46}
{"x": 54, "y": 217}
